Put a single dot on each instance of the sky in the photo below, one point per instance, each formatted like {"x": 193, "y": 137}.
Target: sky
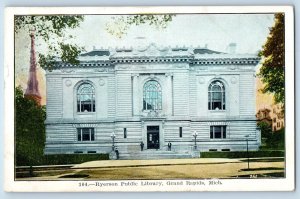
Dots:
{"x": 216, "y": 31}
{"x": 249, "y": 31}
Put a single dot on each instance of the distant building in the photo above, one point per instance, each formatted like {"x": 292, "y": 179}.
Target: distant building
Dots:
{"x": 32, "y": 91}
{"x": 149, "y": 97}
{"x": 273, "y": 116}
{"x": 263, "y": 115}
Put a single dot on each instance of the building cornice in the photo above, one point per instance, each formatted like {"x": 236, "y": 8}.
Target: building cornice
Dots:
{"x": 226, "y": 61}
{"x": 159, "y": 59}
{"x": 144, "y": 60}
{"x": 154, "y": 54}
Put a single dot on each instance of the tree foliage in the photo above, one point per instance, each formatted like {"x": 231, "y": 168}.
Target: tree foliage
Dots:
{"x": 30, "y": 136}
{"x": 30, "y": 129}
{"x": 52, "y": 30}
{"x": 266, "y": 129}
{"x": 271, "y": 140}
{"x": 120, "y": 25}
{"x": 273, "y": 54}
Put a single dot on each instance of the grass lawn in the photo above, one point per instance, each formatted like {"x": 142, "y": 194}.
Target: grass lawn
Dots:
{"x": 262, "y": 168}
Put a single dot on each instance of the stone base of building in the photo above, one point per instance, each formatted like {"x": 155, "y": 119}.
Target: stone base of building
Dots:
{"x": 133, "y": 151}
{"x": 155, "y": 139}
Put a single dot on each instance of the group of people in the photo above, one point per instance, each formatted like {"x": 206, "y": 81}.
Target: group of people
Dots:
{"x": 169, "y": 146}
{"x": 142, "y": 148}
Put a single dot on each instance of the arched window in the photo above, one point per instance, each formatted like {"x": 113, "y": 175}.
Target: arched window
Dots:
{"x": 152, "y": 97}
{"x": 216, "y": 96}
{"x": 86, "y": 98}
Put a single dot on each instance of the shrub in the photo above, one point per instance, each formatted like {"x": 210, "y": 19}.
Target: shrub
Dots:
{"x": 270, "y": 139}
{"x": 241, "y": 154}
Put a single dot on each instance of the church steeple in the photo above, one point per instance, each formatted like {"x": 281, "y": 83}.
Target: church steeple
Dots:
{"x": 32, "y": 90}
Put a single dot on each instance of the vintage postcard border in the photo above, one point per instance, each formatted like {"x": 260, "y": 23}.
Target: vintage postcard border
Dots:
{"x": 285, "y": 184}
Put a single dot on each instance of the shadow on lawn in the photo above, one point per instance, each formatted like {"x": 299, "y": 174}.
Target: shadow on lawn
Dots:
{"x": 75, "y": 176}
{"x": 263, "y": 160}
{"x": 262, "y": 169}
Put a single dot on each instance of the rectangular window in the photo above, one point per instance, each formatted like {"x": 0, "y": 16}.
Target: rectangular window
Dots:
{"x": 225, "y": 149}
{"x": 125, "y": 132}
{"x": 180, "y": 132}
{"x": 213, "y": 150}
{"x": 85, "y": 134}
{"x": 217, "y": 132}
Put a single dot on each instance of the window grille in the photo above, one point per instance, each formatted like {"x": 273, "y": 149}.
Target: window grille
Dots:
{"x": 152, "y": 96}
{"x": 86, "y": 98}
{"x": 216, "y": 96}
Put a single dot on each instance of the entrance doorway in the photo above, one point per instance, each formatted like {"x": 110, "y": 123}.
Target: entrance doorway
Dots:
{"x": 152, "y": 137}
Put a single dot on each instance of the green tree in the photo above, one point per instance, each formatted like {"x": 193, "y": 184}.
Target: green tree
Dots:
{"x": 53, "y": 31}
{"x": 271, "y": 140}
{"x": 272, "y": 69}
{"x": 120, "y": 25}
{"x": 29, "y": 130}
{"x": 266, "y": 129}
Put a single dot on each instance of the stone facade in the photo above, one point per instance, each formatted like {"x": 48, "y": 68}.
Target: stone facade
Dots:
{"x": 184, "y": 103}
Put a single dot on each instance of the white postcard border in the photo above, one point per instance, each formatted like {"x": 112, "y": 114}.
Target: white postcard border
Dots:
{"x": 282, "y": 184}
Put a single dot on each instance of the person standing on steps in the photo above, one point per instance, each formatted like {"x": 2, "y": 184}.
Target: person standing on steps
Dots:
{"x": 142, "y": 145}
{"x": 117, "y": 153}
{"x": 169, "y": 146}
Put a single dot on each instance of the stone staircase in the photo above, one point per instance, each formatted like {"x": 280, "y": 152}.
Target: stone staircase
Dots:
{"x": 156, "y": 154}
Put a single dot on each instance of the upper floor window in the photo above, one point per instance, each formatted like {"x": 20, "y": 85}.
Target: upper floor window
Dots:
{"x": 86, "y": 98}
{"x": 216, "y": 96}
{"x": 152, "y": 96}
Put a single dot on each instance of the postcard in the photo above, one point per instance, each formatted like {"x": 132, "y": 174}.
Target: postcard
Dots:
{"x": 114, "y": 99}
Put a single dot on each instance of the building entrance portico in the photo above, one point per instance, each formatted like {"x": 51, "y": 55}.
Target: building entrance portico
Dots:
{"x": 152, "y": 137}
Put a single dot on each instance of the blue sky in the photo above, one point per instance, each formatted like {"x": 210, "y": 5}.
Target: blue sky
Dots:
{"x": 248, "y": 31}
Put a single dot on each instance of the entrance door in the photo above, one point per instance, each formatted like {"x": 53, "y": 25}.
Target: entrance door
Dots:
{"x": 153, "y": 137}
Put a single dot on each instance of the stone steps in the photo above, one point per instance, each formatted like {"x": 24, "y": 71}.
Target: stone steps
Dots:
{"x": 154, "y": 154}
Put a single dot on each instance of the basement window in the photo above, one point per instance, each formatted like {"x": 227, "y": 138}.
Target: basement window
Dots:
{"x": 225, "y": 150}
{"x": 213, "y": 149}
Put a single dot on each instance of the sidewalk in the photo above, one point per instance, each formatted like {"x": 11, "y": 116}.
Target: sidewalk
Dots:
{"x": 160, "y": 162}
{"x": 199, "y": 168}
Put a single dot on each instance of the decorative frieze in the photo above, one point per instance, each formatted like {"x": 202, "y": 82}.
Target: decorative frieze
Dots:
{"x": 85, "y": 125}
{"x": 153, "y": 54}
{"x": 67, "y": 71}
{"x": 87, "y": 64}
{"x": 218, "y": 123}
{"x": 125, "y": 60}
{"x": 101, "y": 70}
{"x": 227, "y": 61}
